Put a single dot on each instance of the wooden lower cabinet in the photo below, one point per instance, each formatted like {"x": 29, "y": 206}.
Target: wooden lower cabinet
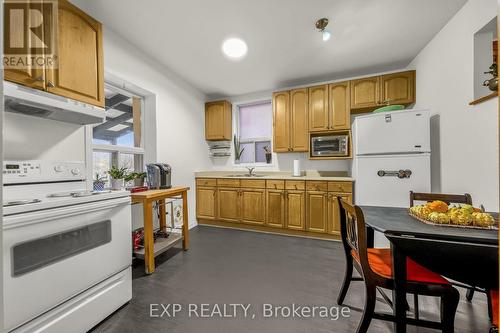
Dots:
{"x": 295, "y": 210}
{"x": 206, "y": 200}
{"x": 333, "y": 225}
{"x": 294, "y": 207}
{"x": 253, "y": 205}
{"x": 275, "y": 208}
{"x": 228, "y": 204}
{"x": 316, "y": 211}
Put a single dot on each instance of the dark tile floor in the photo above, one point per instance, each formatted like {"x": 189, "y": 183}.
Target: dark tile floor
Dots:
{"x": 229, "y": 266}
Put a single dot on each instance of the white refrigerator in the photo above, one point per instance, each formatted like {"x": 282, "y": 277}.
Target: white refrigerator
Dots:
{"x": 391, "y": 158}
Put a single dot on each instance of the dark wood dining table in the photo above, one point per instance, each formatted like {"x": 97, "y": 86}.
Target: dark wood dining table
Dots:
{"x": 469, "y": 256}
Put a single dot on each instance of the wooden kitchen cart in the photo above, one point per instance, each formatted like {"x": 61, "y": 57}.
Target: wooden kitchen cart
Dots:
{"x": 152, "y": 249}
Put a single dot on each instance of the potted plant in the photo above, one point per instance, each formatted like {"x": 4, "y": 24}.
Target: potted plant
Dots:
{"x": 139, "y": 178}
{"x": 238, "y": 151}
{"x": 129, "y": 177}
{"x": 99, "y": 182}
{"x": 268, "y": 154}
{"x": 117, "y": 175}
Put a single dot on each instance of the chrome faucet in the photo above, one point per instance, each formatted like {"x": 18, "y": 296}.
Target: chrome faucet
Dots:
{"x": 250, "y": 171}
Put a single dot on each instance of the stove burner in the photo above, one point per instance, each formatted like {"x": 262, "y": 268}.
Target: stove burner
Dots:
{"x": 21, "y": 202}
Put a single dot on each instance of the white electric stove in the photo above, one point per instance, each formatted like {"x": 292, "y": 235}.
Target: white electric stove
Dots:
{"x": 66, "y": 251}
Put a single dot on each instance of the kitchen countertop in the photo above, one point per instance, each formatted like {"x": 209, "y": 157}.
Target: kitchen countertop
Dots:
{"x": 307, "y": 175}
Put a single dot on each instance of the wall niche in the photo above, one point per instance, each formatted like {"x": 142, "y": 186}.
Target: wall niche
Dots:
{"x": 485, "y": 55}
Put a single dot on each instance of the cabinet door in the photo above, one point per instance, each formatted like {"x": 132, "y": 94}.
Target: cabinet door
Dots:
{"x": 253, "y": 206}
{"x": 281, "y": 121}
{"x": 340, "y": 109}
{"x": 15, "y": 42}
{"x": 228, "y": 204}
{"x": 80, "y": 72}
{"x": 299, "y": 106}
{"x": 318, "y": 108}
{"x": 218, "y": 121}
{"x": 398, "y": 88}
{"x": 365, "y": 93}
{"x": 295, "y": 210}
{"x": 333, "y": 226}
{"x": 275, "y": 208}
{"x": 316, "y": 211}
{"x": 206, "y": 203}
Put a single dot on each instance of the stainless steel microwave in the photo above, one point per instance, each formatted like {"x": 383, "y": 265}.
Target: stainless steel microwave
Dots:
{"x": 331, "y": 145}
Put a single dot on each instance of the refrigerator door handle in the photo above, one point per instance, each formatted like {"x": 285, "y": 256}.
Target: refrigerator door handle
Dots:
{"x": 400, "y": 173}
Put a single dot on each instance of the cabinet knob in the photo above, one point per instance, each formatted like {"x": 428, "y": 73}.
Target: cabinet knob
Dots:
{"x": 50, "y": 84}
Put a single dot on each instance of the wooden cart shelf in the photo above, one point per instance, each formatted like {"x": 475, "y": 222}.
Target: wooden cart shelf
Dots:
{"x": 152, "y": 249}
{"x": 161, "y": 245}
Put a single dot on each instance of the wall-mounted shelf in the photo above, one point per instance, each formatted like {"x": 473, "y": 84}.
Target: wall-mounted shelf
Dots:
{"x": 484, "y": 98}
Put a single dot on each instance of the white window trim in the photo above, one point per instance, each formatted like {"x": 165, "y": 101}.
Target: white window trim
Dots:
{"x": 236, "y": 128}
{"x": 148, "y": 140}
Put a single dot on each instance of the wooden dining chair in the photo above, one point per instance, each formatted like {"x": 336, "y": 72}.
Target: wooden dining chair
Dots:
{"x": 375, "y": 267}
{"x": 449, "y": 199}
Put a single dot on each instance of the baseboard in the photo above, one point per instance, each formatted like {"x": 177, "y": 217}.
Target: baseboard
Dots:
{"x": 268, "y": 230}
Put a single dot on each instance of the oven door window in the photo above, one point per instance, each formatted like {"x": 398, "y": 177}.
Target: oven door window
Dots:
{"x": 327, "y": 147}
{"x": 42, "y": 252}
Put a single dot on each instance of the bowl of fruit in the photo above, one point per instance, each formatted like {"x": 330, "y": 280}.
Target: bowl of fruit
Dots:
{"x": 438, "y": 212}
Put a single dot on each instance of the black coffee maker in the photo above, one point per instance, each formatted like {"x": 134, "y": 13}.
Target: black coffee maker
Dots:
{"x": 159, "y": 176}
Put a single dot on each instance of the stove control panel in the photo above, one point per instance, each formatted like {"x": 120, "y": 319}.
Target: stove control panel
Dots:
{"x": 36, "y": 171}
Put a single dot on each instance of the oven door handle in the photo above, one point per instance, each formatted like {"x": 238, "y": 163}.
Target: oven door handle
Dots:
{"x": 21, "y": 220}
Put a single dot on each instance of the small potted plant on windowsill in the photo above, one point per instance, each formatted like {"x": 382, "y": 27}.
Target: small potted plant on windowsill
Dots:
{"x": 139, "y": 179}
{"x": 117, "y": 175}
{"x": 268, "y": 154}
{"x": 238, "y": 151}
{"x": 99, "y": 182}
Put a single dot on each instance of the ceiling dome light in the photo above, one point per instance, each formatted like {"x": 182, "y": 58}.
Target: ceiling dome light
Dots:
{"x": 234, "y": 48}
{"x": 321, "y": 26}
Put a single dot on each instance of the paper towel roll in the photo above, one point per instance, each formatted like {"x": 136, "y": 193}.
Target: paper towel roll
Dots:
{"x": 296, "y": 168}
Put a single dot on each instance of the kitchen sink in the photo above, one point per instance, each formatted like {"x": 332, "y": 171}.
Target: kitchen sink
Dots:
{"x": 244, "y": 175}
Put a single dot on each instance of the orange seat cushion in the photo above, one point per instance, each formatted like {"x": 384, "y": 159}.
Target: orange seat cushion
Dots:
{"x": 494, "y": 305}
{"x": 380, "y": 261}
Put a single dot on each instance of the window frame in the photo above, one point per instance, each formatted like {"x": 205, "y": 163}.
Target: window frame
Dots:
{"x": 236, "y": 131}
{"x": 116, "y": 150}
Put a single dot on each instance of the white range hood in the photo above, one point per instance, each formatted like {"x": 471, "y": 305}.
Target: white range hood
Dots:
{"x": 33, "y": 102}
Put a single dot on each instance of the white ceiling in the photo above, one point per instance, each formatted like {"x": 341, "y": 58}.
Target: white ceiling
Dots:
{"x": 284, "y": 48}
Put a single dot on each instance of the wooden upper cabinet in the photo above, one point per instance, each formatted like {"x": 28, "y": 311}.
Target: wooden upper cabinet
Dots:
{"x": 398, "y": 88}
{"x": 30, "y": 76}
{"x": 339, "y": 103}
{"x": 299, "y": 134}
{"x": 281, "y": 121}
{"x": 318, "y": 108}
{"x": 80, "y": 69}
{"x": 218, "y": 121}
{"x": 365, "y": 93}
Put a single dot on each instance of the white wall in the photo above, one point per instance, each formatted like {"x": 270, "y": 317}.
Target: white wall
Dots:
{"x": 465, "y": 138}
{"x": 179, "y": 107}
{"x": 179, "y": 111}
